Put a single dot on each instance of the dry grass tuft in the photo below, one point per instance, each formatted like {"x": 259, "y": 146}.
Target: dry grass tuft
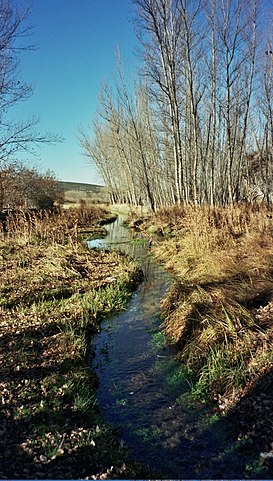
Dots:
{"x": 213, "y": 244}
{"x": 62, "y": 227}
{"x": 222, "y": 259}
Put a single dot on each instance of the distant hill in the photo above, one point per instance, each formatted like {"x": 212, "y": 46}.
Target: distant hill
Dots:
{"x": 76, "y": 191}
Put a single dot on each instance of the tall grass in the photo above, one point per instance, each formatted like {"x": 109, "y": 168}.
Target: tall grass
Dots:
{"x": 212, "y": 244}
{"x": 62, "y": 227}
{"x": 39, "y": 227}
{"x": 222, "y": 259}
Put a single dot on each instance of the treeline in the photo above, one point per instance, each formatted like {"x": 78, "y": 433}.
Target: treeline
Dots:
{"x": 197, "y": 126}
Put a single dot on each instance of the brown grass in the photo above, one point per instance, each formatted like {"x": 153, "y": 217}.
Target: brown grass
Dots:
{"x": 61, "y": 227}
{"x": 222, "y": 259}
{"x": 53, "y": 294}
{"x": 214, "y": 244}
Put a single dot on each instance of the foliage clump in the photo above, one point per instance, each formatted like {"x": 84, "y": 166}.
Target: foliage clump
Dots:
{"x": 22, "y": 187}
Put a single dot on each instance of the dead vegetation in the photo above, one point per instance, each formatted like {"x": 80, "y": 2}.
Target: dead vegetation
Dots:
{"x": 216, "y": 312}
{"x": 53, "y": 294}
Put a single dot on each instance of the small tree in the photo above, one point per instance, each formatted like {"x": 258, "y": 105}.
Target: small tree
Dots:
{"x": 24, "y": 187}
{"x": 45, "y": 191}
{"x": 15, "y": 136}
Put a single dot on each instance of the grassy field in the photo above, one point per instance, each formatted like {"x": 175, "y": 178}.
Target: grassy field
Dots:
{"x": 53, "y": 294}
{"x": 79, "y": 193}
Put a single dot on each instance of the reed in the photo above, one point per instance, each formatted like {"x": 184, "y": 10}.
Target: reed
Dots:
{"x": 39, "y": 227}
{"x": 61, "y": 227}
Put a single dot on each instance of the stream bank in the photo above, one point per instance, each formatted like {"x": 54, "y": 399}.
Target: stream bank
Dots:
{"x": 50, "y": 422}
{"x": 145, "y": 393}
{"x": 54, "y": 293}
{"x": 219, "y": 315}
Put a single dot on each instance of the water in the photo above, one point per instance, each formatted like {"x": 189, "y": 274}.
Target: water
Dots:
{"x": 141, "y": 389}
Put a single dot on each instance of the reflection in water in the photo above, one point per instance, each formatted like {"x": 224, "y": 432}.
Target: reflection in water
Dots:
{"x": 140, "y": 385}
{"x": 129, "y": 242}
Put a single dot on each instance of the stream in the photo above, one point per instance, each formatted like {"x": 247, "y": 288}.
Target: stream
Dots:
{"x": 142, "y": 392}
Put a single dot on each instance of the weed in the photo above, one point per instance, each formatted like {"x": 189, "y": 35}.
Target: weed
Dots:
{"x": 84, "y": 401}
{"x": 159, "y": 339}
{"x": 257, "y": 469}
{"x": 147, "y": 434}
{"x": 141, "y": 241}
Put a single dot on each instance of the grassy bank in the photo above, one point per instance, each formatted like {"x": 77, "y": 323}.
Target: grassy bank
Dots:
{"x": 218, "y": 313}
{"x": 53, "y": 294}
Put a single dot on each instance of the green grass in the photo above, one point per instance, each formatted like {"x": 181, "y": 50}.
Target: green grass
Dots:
{"x": 147, "y": 434}
{"x": 159, "y": 339}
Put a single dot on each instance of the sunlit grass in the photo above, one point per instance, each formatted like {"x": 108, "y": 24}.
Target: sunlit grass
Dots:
{"x": 222, "y": 259}
{"x": 54, "y": 293}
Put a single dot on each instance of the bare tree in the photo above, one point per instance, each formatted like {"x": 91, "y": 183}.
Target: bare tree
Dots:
{"x": 159, "y": 31}
{"x": 15, "y": 136}
{"x": 185, "y": 134}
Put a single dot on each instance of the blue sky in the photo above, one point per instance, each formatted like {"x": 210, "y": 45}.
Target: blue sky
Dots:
{"x": 76, "y": 42}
